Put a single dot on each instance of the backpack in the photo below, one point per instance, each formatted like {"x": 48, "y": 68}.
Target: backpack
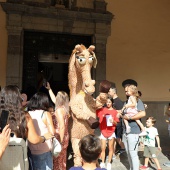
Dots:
{"x": 15, "y": 155}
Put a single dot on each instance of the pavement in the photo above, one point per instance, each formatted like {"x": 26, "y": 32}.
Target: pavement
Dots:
{"x": 121, "y": 161}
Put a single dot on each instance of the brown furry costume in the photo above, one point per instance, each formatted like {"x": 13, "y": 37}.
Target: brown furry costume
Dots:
{"x": 82, "y": 104}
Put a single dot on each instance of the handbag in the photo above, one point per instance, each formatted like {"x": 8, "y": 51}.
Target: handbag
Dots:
{"x": 92, "y": 122}
{"x": 56, "y": 147}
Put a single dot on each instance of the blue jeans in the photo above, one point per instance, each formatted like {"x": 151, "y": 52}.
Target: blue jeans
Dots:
{"x": 131, "y": 142}
{"x": 43, "y": 161}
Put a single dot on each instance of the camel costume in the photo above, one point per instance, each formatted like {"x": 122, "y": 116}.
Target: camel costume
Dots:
{"x": 82, "y": 104}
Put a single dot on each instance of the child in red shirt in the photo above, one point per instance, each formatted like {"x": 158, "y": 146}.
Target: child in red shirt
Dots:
{"x": 108, "y": 120}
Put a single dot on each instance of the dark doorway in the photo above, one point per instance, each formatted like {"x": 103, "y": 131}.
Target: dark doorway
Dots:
{"x": 56, "y": 74}
{"x": 40, "y": 59}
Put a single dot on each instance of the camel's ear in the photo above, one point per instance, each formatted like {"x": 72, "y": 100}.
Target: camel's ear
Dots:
{"x": 78, "y": 48}
{"x": 91, "y": 49}
{"x": 72, "y": 60}
{"x": 95, "y": 60}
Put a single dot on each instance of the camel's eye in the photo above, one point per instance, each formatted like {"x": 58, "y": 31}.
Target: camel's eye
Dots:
{"x": 91, "y": 59}
{"x": 81, "y": 60}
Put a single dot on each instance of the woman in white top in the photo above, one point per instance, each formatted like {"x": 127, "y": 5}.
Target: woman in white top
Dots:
{"x": 41, "y": 153}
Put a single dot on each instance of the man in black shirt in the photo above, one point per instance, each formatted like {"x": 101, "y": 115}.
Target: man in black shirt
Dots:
{"x": 118, "y": 105}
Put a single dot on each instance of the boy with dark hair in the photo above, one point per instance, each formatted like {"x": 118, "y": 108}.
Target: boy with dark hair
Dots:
{"x": 149, "y": 142}
{"x": 90, "y": 150}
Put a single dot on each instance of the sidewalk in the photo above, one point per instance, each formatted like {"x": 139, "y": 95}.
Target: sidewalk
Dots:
{"x": 121, "y": 161}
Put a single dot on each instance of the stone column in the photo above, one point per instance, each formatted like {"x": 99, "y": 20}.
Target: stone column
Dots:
{"x": 14, "y": 56}
{"x": 100, "y": 71}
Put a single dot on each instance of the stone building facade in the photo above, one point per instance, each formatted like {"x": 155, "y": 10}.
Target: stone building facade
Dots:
{"x": 71, "y": 17}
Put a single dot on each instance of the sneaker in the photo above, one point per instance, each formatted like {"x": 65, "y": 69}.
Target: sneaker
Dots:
{"x": 144, "y": 167}
{"x": 109, "y": 166}
{"x": 128, "y": 129}
{"x": 102, "y": 165}
{"x": 143, "y": 133}
{"x": 167, "y": 164}
{"x": 120, "y": 151}
{"x": 114, "y": 157}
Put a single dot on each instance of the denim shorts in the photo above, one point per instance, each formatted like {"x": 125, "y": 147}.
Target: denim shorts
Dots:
{"x": 43, "y": 161}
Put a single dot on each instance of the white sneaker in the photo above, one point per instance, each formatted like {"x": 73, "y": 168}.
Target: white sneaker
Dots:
{"x": 114, "y": 157}
{"x": 102, "y": 165}
{"x": 109, "y": 166}
{"x": 128, "y": 129}
{"x": 143, "y": 133}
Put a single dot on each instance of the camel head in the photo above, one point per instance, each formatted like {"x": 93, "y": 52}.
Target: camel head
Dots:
{"x": 81, "y": 62}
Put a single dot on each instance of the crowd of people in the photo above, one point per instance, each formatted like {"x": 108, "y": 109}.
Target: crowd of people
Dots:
{"x": 39, "y": 122}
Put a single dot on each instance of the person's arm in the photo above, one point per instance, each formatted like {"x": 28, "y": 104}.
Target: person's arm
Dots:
{"x": 4, "y": 139}
{"x": 60, "y": 118}
{"x": 133, "y": 102}
{"x": 52, "y": 96}
{"x": 32, "y": 136}
{"x": 141, "y": 112}
{"x": 112, "y": 120}
{"x": 158, "y": 142}
{"x": 47, "y": 119}
{"x": 138, "y": 116}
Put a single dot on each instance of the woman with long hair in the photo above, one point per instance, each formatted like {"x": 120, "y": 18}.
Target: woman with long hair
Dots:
{"x": 41, "y": 157}
{"x": 60, "y": 120}
{"x": 20, "y": 122}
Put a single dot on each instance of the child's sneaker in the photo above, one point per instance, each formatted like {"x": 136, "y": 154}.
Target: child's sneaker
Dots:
{"x": 128, "y": 129}
{"x": 143, "y": 133}
{"x": 144, "y": 167}
{"x": 109, "y": 166}
{"x": 102, "y": 165}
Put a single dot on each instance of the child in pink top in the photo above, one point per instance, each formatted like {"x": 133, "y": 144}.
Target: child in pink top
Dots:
{"x": 131, "y": 109}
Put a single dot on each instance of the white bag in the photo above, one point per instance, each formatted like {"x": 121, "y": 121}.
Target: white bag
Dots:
{"x": 56, "y": 148}
{"x": 15, "y": 155}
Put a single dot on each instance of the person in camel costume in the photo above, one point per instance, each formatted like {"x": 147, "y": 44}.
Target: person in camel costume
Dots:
{"x": 82, "y": 104}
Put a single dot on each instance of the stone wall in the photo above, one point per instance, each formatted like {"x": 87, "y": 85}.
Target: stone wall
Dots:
{"x": 22, "y": 17}
{"x": 156, "y": 109}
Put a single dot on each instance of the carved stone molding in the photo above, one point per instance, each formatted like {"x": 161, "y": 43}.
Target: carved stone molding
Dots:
{"x": 22, "y": 17}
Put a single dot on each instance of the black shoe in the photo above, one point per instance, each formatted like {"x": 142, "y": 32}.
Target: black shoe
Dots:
{"x": 120, "y": 151}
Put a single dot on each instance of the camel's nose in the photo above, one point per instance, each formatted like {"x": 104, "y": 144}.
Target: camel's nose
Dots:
{"x": 87, "y": 84}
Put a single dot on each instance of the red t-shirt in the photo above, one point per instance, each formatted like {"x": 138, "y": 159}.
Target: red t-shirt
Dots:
{"x": 106, "y": 131}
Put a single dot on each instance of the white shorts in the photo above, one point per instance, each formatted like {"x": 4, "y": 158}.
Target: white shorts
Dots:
{"x": 112, "y": 136}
